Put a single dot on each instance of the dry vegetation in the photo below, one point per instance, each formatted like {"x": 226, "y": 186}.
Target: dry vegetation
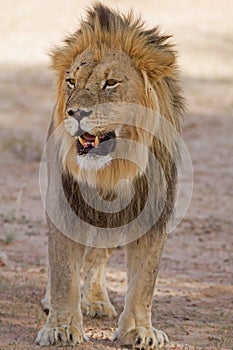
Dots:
{"x": 194, "y": 295}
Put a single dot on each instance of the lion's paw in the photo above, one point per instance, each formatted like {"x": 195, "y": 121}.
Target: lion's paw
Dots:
{"x": 65, "y": 335}
{"x": 98, "y": 309}
{"x": 142, "y": 338}
{"x": 71, "y": 125}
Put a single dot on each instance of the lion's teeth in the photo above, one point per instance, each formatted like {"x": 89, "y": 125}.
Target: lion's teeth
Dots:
{"x": 87, "y": 143}
{"x": 81, "y": 141}
{"x": 96, "y": 143}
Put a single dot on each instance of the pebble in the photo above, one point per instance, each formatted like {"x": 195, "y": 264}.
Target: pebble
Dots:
{"x": 3, "y": 259}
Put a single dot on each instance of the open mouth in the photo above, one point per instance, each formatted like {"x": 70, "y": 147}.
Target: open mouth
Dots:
{"x": 100, "y": 145}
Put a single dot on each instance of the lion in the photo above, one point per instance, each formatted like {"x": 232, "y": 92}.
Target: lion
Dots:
{"x": 112, "y": 173}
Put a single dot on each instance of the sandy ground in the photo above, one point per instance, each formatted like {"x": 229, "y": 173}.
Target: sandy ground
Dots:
{"x": 194, "y": 295}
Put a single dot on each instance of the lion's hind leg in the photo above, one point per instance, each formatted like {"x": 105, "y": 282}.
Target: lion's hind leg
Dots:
{"x": 95, "y": 300}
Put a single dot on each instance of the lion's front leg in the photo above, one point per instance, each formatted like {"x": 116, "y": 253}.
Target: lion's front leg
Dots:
{"x": 135, "y": 329}
{"x": 64, "y": 323}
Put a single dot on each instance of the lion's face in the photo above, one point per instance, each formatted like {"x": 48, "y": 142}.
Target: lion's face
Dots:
{"x": 114, "y": 78}
{"x": 102, "y": 98}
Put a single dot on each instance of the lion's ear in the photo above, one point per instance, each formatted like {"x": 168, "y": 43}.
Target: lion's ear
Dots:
{"x": 60, "y": 61}
{"x": 54, "y": 59}
{"x": 161, "y": 65}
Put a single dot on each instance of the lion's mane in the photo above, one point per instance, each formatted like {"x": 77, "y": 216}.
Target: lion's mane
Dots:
{"x": 155, "y": 59}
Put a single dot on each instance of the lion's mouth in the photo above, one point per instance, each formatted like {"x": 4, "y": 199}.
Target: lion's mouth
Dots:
{"x": 100, "y": 145}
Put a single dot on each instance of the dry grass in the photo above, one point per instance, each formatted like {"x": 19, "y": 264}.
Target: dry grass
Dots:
{"x": 9, "y": 237}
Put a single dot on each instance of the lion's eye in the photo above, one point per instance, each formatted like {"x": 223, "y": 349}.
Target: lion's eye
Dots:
{"x": 110, "y": 84}
{"x": 70, "y": 82}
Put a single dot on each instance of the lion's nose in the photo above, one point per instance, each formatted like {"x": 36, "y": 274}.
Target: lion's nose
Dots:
{"x": 78, "y": 113}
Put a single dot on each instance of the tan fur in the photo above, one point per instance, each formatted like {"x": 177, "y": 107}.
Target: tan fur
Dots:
{"x": 109, "y": 45}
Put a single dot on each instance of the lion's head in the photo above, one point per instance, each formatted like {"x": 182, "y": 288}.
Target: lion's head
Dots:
{"x": 114, "y": 80}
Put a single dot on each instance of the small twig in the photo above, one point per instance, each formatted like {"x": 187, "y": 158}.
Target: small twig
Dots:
{"x": 18, "y": 200}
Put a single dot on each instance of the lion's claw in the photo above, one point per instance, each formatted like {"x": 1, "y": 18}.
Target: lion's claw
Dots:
{"x": 65, "y": 335}
{"x": 142, "y": 338}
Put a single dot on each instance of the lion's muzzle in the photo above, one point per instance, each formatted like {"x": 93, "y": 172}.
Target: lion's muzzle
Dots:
{"x": 78, "y": 114}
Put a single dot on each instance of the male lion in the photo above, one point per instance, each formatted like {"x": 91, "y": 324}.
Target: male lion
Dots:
{"x": 112, "y": 173}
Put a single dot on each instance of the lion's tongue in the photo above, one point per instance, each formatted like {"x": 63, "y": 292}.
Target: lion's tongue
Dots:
{"x": 88, "y": 140}
{"x": 88, "y": 137}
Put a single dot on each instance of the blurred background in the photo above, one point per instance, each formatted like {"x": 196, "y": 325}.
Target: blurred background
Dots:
{"x": 196, "y": 284}
{"x": 203, "y": 32}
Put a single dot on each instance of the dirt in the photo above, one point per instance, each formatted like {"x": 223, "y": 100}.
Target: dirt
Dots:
{"x": 194, "y": 294}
